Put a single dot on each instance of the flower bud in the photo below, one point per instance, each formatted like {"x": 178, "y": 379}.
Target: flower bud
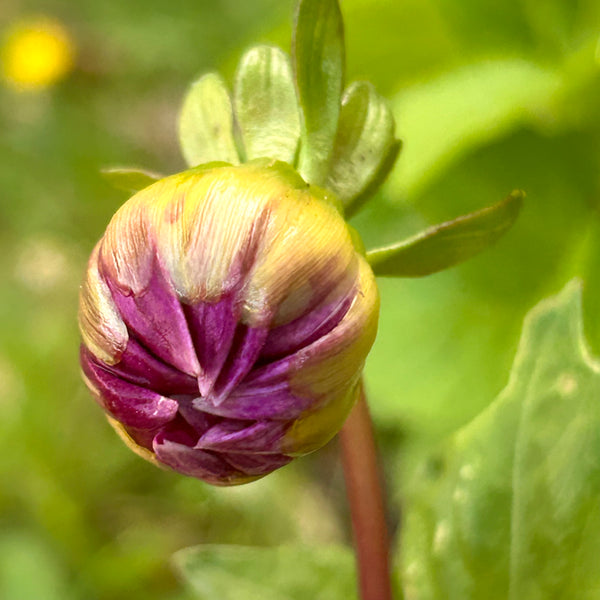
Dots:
{"x": 226, "y": 315}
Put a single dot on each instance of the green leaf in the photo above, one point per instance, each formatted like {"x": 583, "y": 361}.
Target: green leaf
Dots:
{"x": 510, "y": 510}
{"x": 283, "y": 573}
{"x": 206, "y": 131}
{"x": 447, "y": 244}
{"x": 364, "y": 140}
{"x": 318, "y": 56}
{"x": 128, "y": 179}
{"x": 265, "y": 103}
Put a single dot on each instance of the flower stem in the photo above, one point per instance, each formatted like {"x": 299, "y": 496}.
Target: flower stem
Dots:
{"x": 365, "y": 496}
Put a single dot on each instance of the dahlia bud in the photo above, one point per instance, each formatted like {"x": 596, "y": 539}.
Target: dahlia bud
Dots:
{"x": 228, "y": 310}
{"x": 226, "y": 315}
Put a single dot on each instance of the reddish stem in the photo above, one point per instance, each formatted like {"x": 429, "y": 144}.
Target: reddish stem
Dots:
{"x": 365, "y": 496}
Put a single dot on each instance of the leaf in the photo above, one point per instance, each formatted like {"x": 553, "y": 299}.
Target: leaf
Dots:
{"x": 447, "y": 244}
{"x": 206, "y": 123}
{"x": 364, "y": 140}
{"x": 128, "y": 179}
{"x": 510, "y": 510}
{"x": 218, "y": 572}
{"x": 265, "y": 103}
{"x": 318, "y": 57}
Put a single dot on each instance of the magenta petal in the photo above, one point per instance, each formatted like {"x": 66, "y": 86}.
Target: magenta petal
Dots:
{"x": 278, "y": 404}
{"x": 196, "y": 463}
{"x": 198, "y": 420}
{"x": 241, "y": 436}
{"x": 289, "y": 338}
{"x": 246, "y": 348}
{"x": 142, "y": 437}
{"x": 212, "y": 326}
{"x": 132, "y": 405}
{"x": 258, "y": 464}
{"x": 155, "y": 317}
{"x": 264, "y": 394}
{"x": 139, "y": 366}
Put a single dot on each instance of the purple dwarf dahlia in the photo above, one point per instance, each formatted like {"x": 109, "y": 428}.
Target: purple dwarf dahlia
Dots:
{"x": 226, "y": 315}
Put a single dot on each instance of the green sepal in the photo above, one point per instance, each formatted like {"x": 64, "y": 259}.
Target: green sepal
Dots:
{"x": 385, "y": 166}
{"x": 209, "y": 166}
{"x": 357, "y": 240}
{"x": 447, "y": 244}
{"x": 318, "y": 58}
{"x": 364, "y": 140}
{"x": 221, "y": 572}
{"x": 129, "y": 179}
{"x": 265, "y": 104}
{"x": 206, "y": 125}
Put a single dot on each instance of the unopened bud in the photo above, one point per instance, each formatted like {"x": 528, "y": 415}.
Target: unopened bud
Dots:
{"x": 226, "y": 316}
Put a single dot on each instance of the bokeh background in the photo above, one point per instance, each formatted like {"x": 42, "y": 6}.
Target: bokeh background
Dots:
{"x": 488, "y": 97}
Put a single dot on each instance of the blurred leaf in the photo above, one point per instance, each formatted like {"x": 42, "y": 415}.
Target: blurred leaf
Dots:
{"x": 486, "y": 27}
{"x": 266, "y": 107}
{"x": 490, "y": 28}
{"x": 394, "y": 44}
{"x": 281, "y": 573}
{"x": 206, "y": 123}
{"x": 510, "y": 511}
{"x": 129, "y": 180}
{"x": 442, "y": 119}
{"x": 554, "y": 26}
{"x": 318, "y": 56}
{"x": 364, "y": 139}
{"x": 445, "y": 245}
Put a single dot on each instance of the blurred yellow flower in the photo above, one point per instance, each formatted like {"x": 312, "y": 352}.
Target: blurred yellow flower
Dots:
{"x": 36, "y": 54}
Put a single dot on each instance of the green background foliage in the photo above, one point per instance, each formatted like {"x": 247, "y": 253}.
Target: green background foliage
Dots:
{"x": 488, "y": 97}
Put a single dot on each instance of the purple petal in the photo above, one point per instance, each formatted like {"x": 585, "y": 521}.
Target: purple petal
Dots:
{"x": 257, "y": 464}
{"x": 253, "y": 405}
{"x": 142, "y": 437}
{"x": 246, "y": 347}
{"x": 241, "y": 436}
{"x": 212, "y": 326}
{"x": 139, "y": 366}
{"x": 198, "y": 420}
{"x": 264, "y": 394}
{"x": 132, "y": 405}
{"x": 155, "y": 317}
{"x": 289, "y": 338}
{"x": 173, "y": 450}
